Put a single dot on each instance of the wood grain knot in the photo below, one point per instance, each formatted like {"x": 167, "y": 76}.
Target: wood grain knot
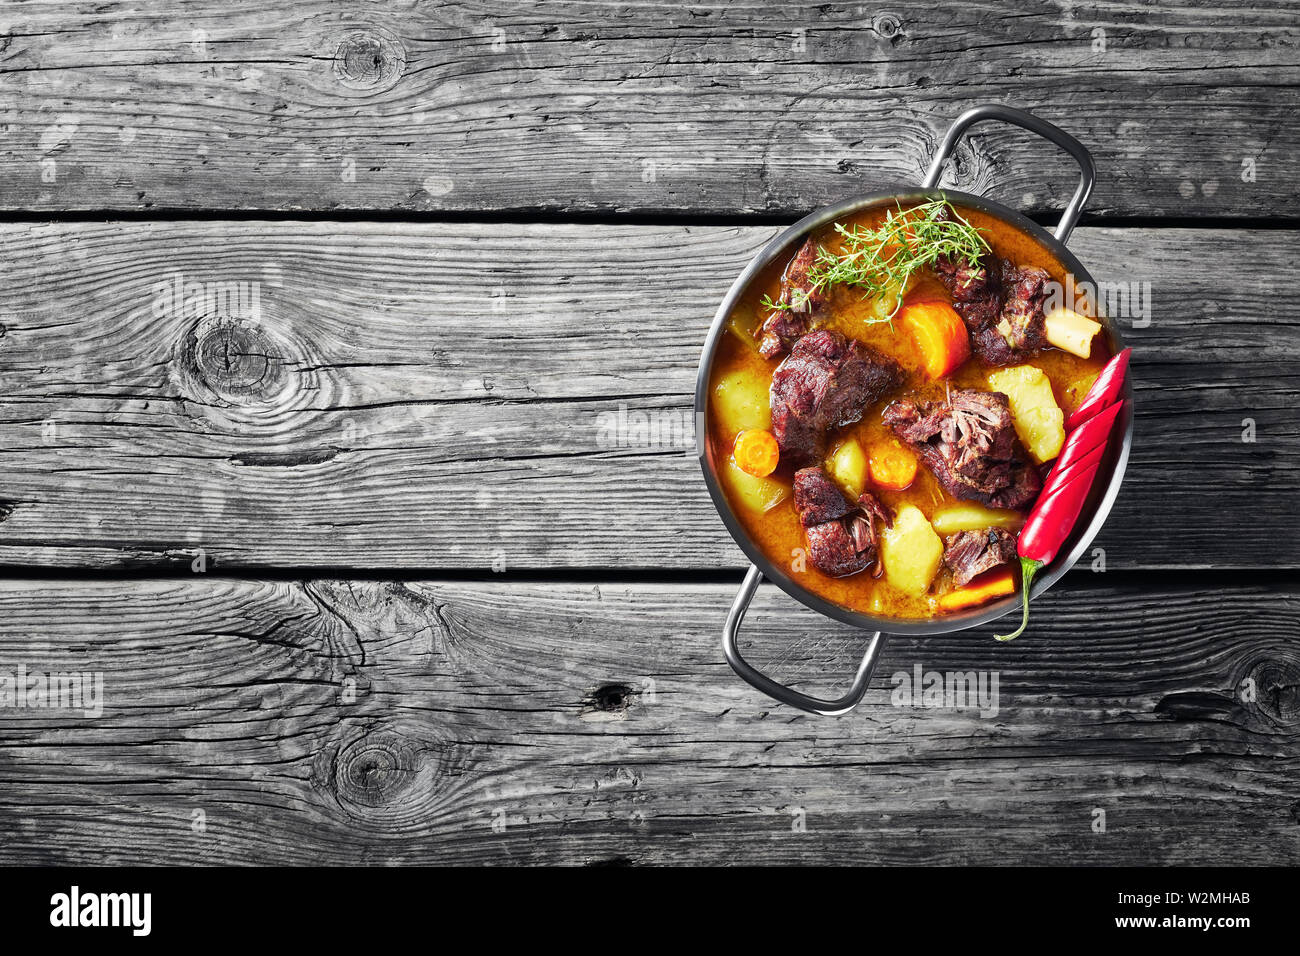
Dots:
{"x": 235, "y": 360}
{"x": 369, "y": 61}
{"x": 1274, "y": 683}
{"x": 608, "y": 702}
{"x": 972, "y": 166}
{"x": 374, "y": 772}
{"x": 888, "y": 27}
{"x": 391, "y": 777}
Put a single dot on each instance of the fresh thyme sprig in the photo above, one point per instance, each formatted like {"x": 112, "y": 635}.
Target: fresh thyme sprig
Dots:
{"x": 798, "y": 302}
{"x": 883, "y": 260}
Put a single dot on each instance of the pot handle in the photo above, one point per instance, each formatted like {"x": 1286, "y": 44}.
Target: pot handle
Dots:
{"x": 1007, "y": 114}
{"x": 788, "y": 695}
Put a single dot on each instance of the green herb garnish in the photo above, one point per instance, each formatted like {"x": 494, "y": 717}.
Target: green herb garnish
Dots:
{"x": 883, "y": 260}
{"x": 798, "y": 302}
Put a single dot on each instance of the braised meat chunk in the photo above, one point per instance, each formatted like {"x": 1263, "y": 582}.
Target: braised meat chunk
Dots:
{"x": 830, "y": 548}
{"x": 800, "y": 302}
{"x": 969, "y": 443}
{"x": 969, "y": 554}
{"x": 975, "y": 287}
{"x": 817, "y": 498}
{"x": 1001, "y": 304}
{"x": 825, "y": 382}
{"x": 780, "y": 329}
{"x": 1021, "y": 329}
{"x": 842, "y": 537}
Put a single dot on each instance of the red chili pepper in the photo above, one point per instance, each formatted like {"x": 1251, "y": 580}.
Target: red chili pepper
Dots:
{"x": 1054, "y": 515}
{"x": 1103, "y": 393}
{"x": 1066, "y": 489}
{"x": 1060, "y": 476}
{"x": 1085, "y": 439}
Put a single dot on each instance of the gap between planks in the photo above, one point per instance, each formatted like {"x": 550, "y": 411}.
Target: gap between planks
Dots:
{"x": 542, "y": 216}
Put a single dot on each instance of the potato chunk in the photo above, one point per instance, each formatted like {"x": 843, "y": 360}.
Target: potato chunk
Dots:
{"x": 742, "y": 402}
{"x": 750, "y": 491}
{"x": 744, "y": 325}
{"x": 1040, "y": 423}
{"x": 848, "y": 466}
{"x": 970, "y": 516}
{"x": 866, "y": 312}
{"x": 911, "y": 551}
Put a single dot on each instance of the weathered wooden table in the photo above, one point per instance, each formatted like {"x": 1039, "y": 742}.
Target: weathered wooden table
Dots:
{"x": 314, "y": 323}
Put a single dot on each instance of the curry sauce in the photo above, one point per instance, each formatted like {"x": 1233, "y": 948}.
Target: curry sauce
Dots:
{"x": 778, "y": 531}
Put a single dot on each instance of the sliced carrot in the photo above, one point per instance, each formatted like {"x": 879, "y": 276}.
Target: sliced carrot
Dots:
{"x": 892, "y": 466}
{"x": 996, "y": 583}
{"x": 940, "y": 336}
{"x": 756, "y": 452}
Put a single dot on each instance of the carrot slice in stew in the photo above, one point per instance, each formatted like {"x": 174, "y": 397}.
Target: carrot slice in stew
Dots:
{"x": 997, "y": 583}
{"x": 892, "y": 466}
{"x": 940, "y": 336}
{"x": 756, "y": 452}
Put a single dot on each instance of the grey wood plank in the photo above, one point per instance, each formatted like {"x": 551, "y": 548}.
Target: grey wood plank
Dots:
{"x": 614, "y": 106}
{"x": 412, "y": 396}
{"x": 375, "y": 722}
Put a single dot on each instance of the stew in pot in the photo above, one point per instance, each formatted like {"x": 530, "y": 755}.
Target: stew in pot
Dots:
{"x": 888, "y": 399}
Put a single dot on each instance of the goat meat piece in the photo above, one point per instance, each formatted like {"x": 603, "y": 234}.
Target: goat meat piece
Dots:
{"x": 1021, "y": 328}
{"x": 831, "y": 550}
{"x": 825, "y": 382}
{"x": 784, "y": 326}
{"x": 847, "y": 543}
{"x": 817, "y": 498}
{"x": 862, "y": 525}
{"x": 1001, "y": 305}
{"x": 969, "y": 442}
{"x": 969, "y": 554}
{"x": 781, "y": 328}
{"x": 975, "y": 287}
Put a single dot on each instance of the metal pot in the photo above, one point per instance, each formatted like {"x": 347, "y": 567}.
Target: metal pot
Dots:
{"x": 1106, "y": 485}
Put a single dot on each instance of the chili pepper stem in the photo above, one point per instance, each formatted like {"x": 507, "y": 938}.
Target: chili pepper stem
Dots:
{"x": 1028, "y": 568}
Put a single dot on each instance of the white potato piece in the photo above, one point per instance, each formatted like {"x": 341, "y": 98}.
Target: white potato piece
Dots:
{"x": 1071, "y": 332}
{"x": 878, "y": 308}
{"x": 911, "y": 551}
{"x": 973, "y": 517}
{"x": 750, "y": 491}
{"x": 848, "y": 467}
{"x": 1039, "y": 421}
{"x": 744, "y": 324}
{"x": 741, "y": 401}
